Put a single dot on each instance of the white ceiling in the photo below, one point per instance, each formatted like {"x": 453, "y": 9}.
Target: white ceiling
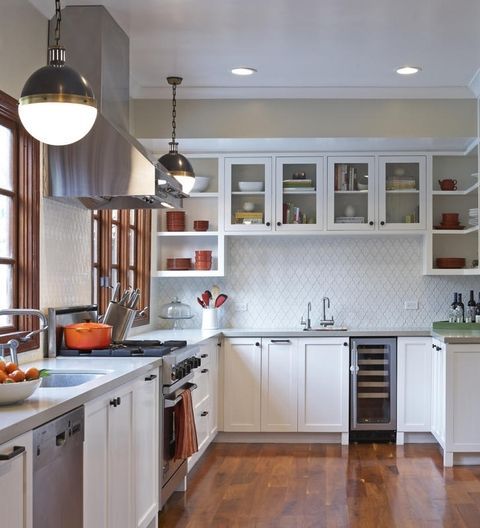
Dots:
{"x": 301, "y": 48}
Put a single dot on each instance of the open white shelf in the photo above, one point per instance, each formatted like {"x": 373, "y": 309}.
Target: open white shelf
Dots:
{"x": 189, "y": 273}
{"x": 471, "y": 229}
{"x": 454, "y": 271}
{"x": 187, "y": 233}
{"x": 457, "y": 193}
{"x": 203, "y": 195}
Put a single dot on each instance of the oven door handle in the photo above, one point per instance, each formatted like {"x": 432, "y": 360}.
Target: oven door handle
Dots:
{"x": 172, "y": 403}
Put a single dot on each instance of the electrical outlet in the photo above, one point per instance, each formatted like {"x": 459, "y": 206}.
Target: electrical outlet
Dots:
{"x": 411, "y": 305}
{"x": 240, "y": 307}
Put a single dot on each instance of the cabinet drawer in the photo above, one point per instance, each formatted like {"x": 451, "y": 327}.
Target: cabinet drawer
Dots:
{"x": 202, "y": 380}
{"x": 202, "y": 420}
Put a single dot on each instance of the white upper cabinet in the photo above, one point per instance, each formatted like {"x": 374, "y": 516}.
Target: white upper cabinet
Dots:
{"x": 299, "y": 194}
{"x": 401, "y": 192}
{"x": 351, "y": 193}
{"x": 248, "y": 194}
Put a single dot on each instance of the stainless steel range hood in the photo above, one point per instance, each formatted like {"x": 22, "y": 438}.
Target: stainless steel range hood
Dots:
{"x": 108, "y": 168}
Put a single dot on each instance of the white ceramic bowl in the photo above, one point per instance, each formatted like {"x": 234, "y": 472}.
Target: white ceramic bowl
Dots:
{"x": 250, "y": 186}
{"x": 201, "y": 184}
{"x": 248, "y": 206}
{"x": 362, "y": 186}
{"x": 17, "y": 392}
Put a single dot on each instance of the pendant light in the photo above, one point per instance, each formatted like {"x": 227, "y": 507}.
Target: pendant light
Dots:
{"x": 57, "y": 105}
{"x": 176, "y": 164}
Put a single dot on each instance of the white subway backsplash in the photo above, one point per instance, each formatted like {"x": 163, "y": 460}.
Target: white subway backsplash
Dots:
{"x": 368, "y": 280}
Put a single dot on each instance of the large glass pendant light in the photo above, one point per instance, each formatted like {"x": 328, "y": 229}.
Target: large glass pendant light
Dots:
{"x": 57, "y": 105}
{"x": 176, "y": 164}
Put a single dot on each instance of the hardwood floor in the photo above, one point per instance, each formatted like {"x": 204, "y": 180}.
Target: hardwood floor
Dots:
{"x": 325, "y": 486}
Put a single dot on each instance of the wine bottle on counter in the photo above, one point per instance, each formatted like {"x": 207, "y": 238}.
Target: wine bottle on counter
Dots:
{"x": 477, "y": 310}
{"x": 460, "y": 310}
{"x": 452, "y": 314}
{"x": 471, "y": 309}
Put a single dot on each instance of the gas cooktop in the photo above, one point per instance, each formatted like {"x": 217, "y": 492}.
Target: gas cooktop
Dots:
{"x": 130, "y": 348}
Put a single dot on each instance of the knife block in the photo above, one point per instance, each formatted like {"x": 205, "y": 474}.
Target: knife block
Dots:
{"x": 120, "y": 318}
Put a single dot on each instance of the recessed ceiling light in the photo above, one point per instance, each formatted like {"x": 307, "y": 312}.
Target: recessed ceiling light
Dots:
{"x": 244, "y": 71}
{"x": 408, "y": 70}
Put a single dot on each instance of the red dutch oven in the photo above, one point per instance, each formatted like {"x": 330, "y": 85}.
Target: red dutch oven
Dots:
{"x": 87, "y": 336}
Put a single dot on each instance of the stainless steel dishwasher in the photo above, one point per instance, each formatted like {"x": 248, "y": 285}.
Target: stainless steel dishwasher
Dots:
{"x": 58, "y": 472}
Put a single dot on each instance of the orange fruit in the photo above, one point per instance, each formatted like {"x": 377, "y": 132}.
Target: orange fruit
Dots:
{"x": 3, "y": 366}
{"x": 3, "y": 376}
{"x": 10, "y": 367}
{"x": 17, "y": 375}
{"x": 9, "y": 380}
{"x": 32, "y": 374}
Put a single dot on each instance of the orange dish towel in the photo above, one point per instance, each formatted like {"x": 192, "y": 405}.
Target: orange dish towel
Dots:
{"x": 186, "y": 434}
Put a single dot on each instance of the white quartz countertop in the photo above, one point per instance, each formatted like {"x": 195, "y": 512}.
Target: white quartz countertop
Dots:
{"x": 45, "y": 404}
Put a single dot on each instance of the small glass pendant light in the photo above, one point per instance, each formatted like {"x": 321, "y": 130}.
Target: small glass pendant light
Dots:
{"x": 175, "y": 163}
{"x": 57, "y": 105}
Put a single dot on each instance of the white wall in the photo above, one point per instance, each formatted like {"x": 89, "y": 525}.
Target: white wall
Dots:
{"x": 367, "y": 279}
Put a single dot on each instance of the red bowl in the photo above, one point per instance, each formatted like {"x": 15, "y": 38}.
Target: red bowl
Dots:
{"x": 203, "y": 266}
{"x": 200, "y": 225}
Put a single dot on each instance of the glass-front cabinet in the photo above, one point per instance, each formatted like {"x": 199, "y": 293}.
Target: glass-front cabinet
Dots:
{"x": 351, "y": 193}
{"x": 299, "y": 194}
{"x": 401, "y": 187}
{"x": 248, "y": 194}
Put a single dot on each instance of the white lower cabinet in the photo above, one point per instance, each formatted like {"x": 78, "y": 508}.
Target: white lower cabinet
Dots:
{"x": 205, "y": 397}
{"x": 278, "y": 385}
{"x": 242, "y": 376}
{"x": 286, "y": 385}
{"x": 16, "y": 482}
{"x": 323, "y": 385}
{"x": 414, "y": 384}
{"x": 438, "y": 391}
{"x": 121, "y": 456}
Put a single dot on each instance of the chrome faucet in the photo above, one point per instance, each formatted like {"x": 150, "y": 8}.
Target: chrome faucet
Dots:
{"x": 325, "y": 321}
{"x": 308, "y": 322}
{"x": 13, "y": 344}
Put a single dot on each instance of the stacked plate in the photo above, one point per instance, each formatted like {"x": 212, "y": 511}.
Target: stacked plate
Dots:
{"x": 175, "y": 220}
{"x": 473, "y": 217}
{"x": 179, "y": 264}
{"x": 203, "y": 259}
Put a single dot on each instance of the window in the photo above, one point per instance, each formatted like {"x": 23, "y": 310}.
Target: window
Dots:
{"x": 19, "y": 221}
{"x": 121, "y": 253}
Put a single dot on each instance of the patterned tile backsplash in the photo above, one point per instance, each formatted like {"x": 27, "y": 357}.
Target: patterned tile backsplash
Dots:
{"x": 368, "y": 280}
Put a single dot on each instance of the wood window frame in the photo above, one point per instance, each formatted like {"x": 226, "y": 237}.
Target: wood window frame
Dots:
{"x": 142, "y": 266}
{"x": 26, "y": 287}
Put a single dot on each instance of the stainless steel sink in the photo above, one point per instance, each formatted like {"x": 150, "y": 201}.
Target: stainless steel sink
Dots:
{"x": 70, "y": 378}
{"x": 326, "y": 329}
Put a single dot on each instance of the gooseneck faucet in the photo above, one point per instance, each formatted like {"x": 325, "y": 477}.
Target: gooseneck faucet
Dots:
{"x": 13, "y": 344}
{"x": 308, "y": 322}
{"x": 325, "y": 321}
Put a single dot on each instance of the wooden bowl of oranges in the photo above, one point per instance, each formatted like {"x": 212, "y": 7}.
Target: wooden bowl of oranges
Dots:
{"x": 16, "y": 384}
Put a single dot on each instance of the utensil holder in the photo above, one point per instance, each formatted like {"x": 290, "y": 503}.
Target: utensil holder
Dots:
{"x": 121, "y": 318}
{"x": 209, "y": 318}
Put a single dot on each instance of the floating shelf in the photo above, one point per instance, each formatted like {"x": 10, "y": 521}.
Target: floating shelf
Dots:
{"x": 187, "y": 233}
{"x": 189, "y": 273}
{"x": 455, "y": 231}
{"x": 204, "y": 195}
{"x": 454, "y": 271}
{"x": 457, "y": 193}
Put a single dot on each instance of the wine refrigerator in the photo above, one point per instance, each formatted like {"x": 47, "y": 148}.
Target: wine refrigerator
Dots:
{"x": 373, "y": 388}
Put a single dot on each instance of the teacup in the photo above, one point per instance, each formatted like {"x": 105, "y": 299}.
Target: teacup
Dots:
{"x": 448, "y": 185}
{"x": 450, "y": 219}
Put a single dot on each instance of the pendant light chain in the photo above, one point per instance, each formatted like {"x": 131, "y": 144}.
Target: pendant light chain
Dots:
{"x": 174, "y": 112}
{"x": 58, "y": 16}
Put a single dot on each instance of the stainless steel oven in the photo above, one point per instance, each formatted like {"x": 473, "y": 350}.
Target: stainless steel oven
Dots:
{"x": 177, "y": 377}
{"x": 373, "y": 386}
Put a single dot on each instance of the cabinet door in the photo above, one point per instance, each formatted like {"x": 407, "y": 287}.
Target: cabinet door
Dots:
{"x": 16, "y": 482}
{"x": 120, "y": 461}
{"x": 323, "y": 385}
{"x": 438, "y": 392}
{"x": 351, "y": 193}
{"x": 242, "y": 384}
{"x": 279, "y": 385}
{"x": 414, "y": 384}
{"x": 402, "y": 192}
{"x": 146, "y": 442}
{"x": 299, "y": 192}
{"x": 248, "y": 194}
{"x": 95, "y": 463}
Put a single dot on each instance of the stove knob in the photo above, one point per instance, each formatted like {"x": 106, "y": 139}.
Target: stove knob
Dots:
{"x": 197, "y": 362}
{"x": 173, "y": 375}
{"x": 187, "y": 368}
